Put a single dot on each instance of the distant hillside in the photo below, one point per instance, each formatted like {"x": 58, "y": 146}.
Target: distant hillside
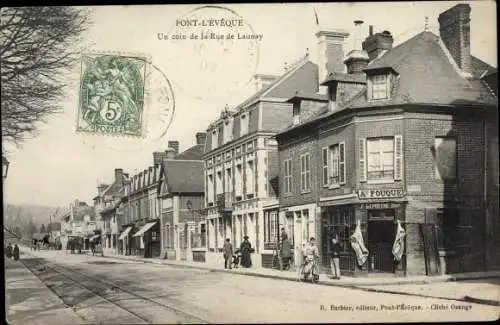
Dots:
{"x": 28, "y": 218}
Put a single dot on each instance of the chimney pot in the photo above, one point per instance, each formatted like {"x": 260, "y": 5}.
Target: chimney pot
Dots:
{"x": 377, "y": 43}
{"x": 174, "y": 145}
{"x": 370, "y": 29}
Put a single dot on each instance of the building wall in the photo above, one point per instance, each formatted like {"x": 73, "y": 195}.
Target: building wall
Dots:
{"x": 276, "y": 115}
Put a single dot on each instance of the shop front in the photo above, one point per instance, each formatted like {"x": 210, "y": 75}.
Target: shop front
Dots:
{"x": 147, "y": 240}
{"x": 374, "y": 219}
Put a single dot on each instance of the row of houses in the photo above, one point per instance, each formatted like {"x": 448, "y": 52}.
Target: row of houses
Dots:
{"x": 380, "y": 139}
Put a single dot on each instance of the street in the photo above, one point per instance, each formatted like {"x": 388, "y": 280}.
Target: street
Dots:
{"x": 111, "y": 291}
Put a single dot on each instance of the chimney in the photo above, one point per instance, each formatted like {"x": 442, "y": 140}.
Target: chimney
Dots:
{"x": 170, "y": 153}
{"x": 454, "y": 29}
{"x": 174, "y": 145}
{"x": 330, "y": 54}
{"x": 201, "y": 137}
{"x": 119, "y": 177}
{"x": 158, "y": 157}
{"x": 377, "y": 43}
{"x": 357, "y": 59}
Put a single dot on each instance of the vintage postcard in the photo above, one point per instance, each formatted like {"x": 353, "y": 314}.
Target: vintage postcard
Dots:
{"x": 250, "y": 163}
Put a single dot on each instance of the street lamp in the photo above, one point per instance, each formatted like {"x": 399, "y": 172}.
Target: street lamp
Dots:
{"x": 5, "y": 167}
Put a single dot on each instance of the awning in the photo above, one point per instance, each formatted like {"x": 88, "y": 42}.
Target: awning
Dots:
{"x": 144, "y": 228}
{"x": 94, "y": 237}
{"x": 125, "y": 233}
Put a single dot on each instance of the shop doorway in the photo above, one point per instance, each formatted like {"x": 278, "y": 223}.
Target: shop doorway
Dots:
{"x": 381, "y": 232}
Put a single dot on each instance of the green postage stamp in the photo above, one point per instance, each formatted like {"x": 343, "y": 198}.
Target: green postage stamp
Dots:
{"x": 112, "y": 91}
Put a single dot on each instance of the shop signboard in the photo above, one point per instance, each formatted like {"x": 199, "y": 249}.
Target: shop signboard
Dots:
{"x": 381, "y": 194}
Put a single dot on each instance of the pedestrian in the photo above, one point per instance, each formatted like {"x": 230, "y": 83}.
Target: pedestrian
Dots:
{"x": 16, "y": 252}
{"x": 92, "y": 247}
{"x": 246, "y": 249}
{"x": 286, "y": 253}
{"x": 335, "y": 257}
{"x": 8, "y": 251}
{"x": 284, "y": 235}
{"x": 228, "y": 254}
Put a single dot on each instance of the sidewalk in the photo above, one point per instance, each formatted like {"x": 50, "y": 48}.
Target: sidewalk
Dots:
{"x": 477, "y": 287}
{"x": 29, "y": 301}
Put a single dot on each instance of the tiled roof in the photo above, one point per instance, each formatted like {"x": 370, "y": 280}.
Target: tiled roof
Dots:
{"x": 480, "y": 68}
{"x": 193, "y": 153}
{"x": 184, "y": 175}
{"x": 426, "y": 75}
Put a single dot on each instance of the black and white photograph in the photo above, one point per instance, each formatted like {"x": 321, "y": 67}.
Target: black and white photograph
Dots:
{"x": 250, "y": 163}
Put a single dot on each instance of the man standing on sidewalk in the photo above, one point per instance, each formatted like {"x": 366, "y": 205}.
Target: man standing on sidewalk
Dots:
{"x": 228, "y": 253}
{"x": 335, "y": 257}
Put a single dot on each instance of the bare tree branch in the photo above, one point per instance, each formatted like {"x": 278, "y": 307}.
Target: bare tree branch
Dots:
{"x": 38, "y": 45}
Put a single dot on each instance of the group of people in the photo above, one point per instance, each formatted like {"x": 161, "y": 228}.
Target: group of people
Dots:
{"x": 12, "y": 252}
{"x": 310, "y": 253}
{"x": 239, "y": 257}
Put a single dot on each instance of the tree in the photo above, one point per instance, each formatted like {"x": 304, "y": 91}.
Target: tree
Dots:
{"x": 37, "y": 46}
{"x": 42, "y": 228}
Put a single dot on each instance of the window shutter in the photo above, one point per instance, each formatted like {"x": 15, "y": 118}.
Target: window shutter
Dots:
{"x": 324, "y": 157}
{"x": 398, "y": 157}
{"x": 342, "y": 171}
{"x": 362, "y": 160}
{"x": 388, "y": 86}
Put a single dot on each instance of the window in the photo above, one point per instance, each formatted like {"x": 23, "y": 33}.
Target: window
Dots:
{"x": 215, "y": 139}
{"x": 238, "y": 186}
{"x": 210, "y": 188}
{"x": 218, "y": 183}
{"x": 228, "y": 181}
{"x": 243, "y": 124}
{"x": 250, "y": 187}
{"x": 305, "y": 172}
{"x": 379, "y": 87}
{"x": 334, "y": 165}
{"x": 380, "y": 158}
{"x": 445, "y": 158}
{"x": 287, "y": 176}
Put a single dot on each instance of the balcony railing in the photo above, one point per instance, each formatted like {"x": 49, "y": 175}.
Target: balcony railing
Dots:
{"x": 224, "y": 202}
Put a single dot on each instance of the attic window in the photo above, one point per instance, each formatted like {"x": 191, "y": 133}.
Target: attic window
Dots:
{"x": 379, "y": 86}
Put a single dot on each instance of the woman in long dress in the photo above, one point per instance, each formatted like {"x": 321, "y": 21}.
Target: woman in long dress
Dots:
{"x": 246, "y": 249}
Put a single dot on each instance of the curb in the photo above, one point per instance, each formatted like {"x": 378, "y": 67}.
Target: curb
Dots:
{"x": 323, "y": 282}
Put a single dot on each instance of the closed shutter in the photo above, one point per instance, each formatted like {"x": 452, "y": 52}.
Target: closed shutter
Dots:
{"x": 324, "y": 169}
{"x": 362, "y": 159}
{"x": 342, "y": 171}
{"x": 388, "y": 86}
{"x": 398, "y": 157}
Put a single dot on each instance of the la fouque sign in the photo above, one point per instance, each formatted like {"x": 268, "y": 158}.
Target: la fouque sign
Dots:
{"x": 381, "y": 194}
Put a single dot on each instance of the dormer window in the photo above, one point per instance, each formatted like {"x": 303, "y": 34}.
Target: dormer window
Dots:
{"x": 296, "y": 113}
{"x": 214, "y": 139}
{"x": 379, "y": 86}
{"x": 243, "y": 124}
{"x": 228, "y": 130}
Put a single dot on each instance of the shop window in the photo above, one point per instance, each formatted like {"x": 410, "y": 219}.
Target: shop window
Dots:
{"x": 445, "y": 158}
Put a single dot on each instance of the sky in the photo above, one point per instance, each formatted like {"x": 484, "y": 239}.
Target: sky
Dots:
{"x": 61, "y": 165}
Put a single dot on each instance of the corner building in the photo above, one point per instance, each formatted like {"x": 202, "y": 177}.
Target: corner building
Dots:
{"x": 403, "y": 139}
